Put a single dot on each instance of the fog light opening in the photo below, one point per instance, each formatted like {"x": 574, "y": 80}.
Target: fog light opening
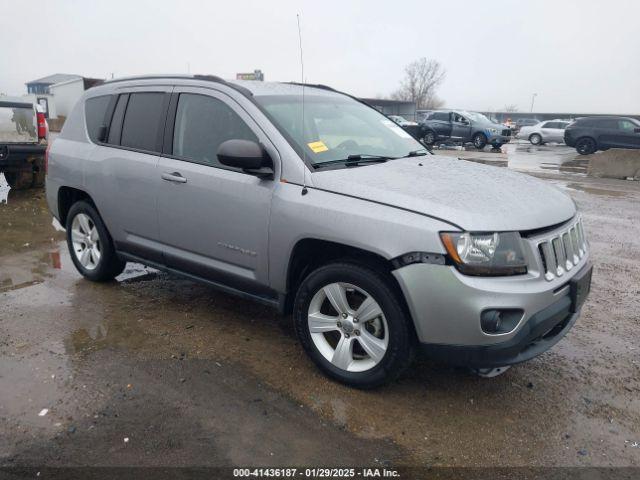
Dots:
{"x": 503, "y": 320}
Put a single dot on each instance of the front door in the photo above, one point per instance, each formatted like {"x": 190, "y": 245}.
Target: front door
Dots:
{"x": 628, "y": 134}
{"x": 213, "y": 219}
{"x": 460, "y": 127}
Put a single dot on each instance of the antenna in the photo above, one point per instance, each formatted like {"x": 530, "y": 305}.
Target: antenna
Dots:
{"x": 304, "y": 150}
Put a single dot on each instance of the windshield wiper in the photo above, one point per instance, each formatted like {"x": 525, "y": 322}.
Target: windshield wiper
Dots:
{"x": 354, "y": 160}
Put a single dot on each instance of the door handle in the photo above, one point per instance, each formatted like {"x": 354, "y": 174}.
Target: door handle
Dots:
{"x": 173, "y": 177}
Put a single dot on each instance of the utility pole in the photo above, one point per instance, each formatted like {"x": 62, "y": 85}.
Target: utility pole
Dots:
{"x": 533, "y": 99}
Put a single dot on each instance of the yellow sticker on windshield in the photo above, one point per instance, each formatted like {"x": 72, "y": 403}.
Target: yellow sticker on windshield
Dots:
{"x": 318, "y": 147}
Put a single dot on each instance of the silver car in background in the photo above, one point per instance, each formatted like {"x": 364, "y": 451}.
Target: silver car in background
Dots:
{"x": 544, "y": 132}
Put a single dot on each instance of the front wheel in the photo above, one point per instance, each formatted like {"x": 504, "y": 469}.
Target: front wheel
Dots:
{"x": 350, "y": 322}
{"x": 90, "y": 244}
{"x": 535, "y": 139}
{"x": 586, "y": 146}
{"x": 479, "y": 141}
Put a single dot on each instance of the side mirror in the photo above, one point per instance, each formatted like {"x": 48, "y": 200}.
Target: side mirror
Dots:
{"x": 247, "y": 155}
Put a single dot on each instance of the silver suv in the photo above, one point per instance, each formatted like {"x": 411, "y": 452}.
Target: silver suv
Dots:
{"x": 310, "y": 201}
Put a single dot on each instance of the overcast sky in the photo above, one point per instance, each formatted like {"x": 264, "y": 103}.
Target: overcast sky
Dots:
{"x": 577, "y": 55}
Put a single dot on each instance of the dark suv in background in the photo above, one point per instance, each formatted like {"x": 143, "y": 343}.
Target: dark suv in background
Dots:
{"x": 463, "y": 127}
{"x": 590, "y": 134}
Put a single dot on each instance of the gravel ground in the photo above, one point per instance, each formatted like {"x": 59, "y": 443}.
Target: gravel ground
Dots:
{"x": 157, "y": 370}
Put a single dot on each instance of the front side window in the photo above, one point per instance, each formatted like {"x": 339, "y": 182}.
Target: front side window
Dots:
{"x": 336, "y": 128}
{"x": 202, "y": 124}
{"x": 143, "y": 120}
{"x": 626, "y": 126}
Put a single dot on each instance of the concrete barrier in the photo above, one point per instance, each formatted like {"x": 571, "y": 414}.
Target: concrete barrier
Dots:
{"x": 615, "y": 163}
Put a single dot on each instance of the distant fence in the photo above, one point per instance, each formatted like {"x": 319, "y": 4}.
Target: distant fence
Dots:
{"x": 503, "y": 116}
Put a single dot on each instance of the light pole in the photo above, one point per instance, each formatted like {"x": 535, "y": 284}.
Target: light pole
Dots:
{"x": 533, "y": 99}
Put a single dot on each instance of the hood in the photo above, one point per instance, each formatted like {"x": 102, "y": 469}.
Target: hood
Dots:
{"x": 470, "y": 195}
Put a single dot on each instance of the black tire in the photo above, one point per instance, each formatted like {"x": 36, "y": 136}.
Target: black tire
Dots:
{"x": 429, "y": 137}
{"x": 110, "y": 265}
{"x": 586, "y": 146}
{"x": 535, "y": 139}
{"x": 19, "y": 180}
{"x": 479, "y": 140}
{"x": 401, "y": 344}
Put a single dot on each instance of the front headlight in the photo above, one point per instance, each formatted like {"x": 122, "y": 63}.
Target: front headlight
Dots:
{"x": 492, "y": 130}
{"x": 485, "y": 253}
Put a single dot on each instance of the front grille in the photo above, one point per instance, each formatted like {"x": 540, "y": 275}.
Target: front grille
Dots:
{"x": 506, "y": 133}
{"x": 563, "y": 250}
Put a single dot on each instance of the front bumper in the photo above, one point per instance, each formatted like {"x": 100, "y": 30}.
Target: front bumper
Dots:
{"x": 542, "y": 331}
{"x": 446, "y": 309}
{"x": 498, "y": 139}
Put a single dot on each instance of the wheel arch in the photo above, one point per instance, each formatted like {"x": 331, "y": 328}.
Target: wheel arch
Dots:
{"x": 67, "y": 196}
{"x": 310, "y": 253}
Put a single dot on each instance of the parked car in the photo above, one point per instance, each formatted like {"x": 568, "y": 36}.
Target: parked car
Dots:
{"x": 526, "y": 122}
{"x": 403, "y": 122}
{"x": 590, "y": 134}
{"x": 374, "y": 246}
{"x": 543, "y": 132}
{"x": 23, "y": 143}
{"x": 463, "y": 127}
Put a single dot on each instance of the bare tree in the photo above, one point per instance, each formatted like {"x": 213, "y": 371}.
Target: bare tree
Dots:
{"x": 512, "y": 108}
{"x": 420, "y": 82}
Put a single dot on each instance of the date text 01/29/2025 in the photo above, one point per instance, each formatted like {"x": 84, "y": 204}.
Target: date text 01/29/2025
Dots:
{"x": 315, "y": 472}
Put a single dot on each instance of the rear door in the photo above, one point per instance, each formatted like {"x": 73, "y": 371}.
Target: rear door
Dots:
{"x": 213, "y": 219}
{"x": 441, "y": 123}
{"x": 123, "y": 172}
{"x": 606, "y": 130}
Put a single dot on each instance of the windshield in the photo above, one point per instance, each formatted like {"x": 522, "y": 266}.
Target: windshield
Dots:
{"x": 336, "y": 128}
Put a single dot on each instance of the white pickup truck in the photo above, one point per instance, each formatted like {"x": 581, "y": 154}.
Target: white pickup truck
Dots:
{"x": 23, "y": 143}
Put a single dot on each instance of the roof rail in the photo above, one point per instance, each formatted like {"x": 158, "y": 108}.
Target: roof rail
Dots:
{"x": 208, "y": 78}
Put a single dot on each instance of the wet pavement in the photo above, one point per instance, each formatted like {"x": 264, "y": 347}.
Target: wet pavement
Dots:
{"x": 522, "y": 156}
{"x": 156, "y": 370}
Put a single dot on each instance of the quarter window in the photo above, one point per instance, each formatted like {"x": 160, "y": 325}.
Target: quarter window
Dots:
{"x": 202, "y": 124}
{"x": 95, "y": 111}
{"x": 142, "y": 121}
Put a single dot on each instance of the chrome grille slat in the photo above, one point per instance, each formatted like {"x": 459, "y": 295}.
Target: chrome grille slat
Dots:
{"x": 562, "y": 251}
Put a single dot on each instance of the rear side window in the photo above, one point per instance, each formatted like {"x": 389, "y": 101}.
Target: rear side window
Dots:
{"x": 95, "y": 110}
{"x": 202, "y": 124}
{"x": 143, "y": 120}
{"x": 440, "y": 116}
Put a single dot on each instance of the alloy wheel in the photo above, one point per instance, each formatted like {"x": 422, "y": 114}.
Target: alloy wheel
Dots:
{"x": 86, "y": 241}
{"x": 348, "y": 327}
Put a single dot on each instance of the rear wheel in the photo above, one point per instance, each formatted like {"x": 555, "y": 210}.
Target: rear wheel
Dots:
{"x": 350, "y": 322}
{"x": 535, "y": 139}
{"x": 586, "y": 146}
{"x": 479, "y": 140}
{"x": 90, "y": 244}
{"x": 429, "y": 138}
